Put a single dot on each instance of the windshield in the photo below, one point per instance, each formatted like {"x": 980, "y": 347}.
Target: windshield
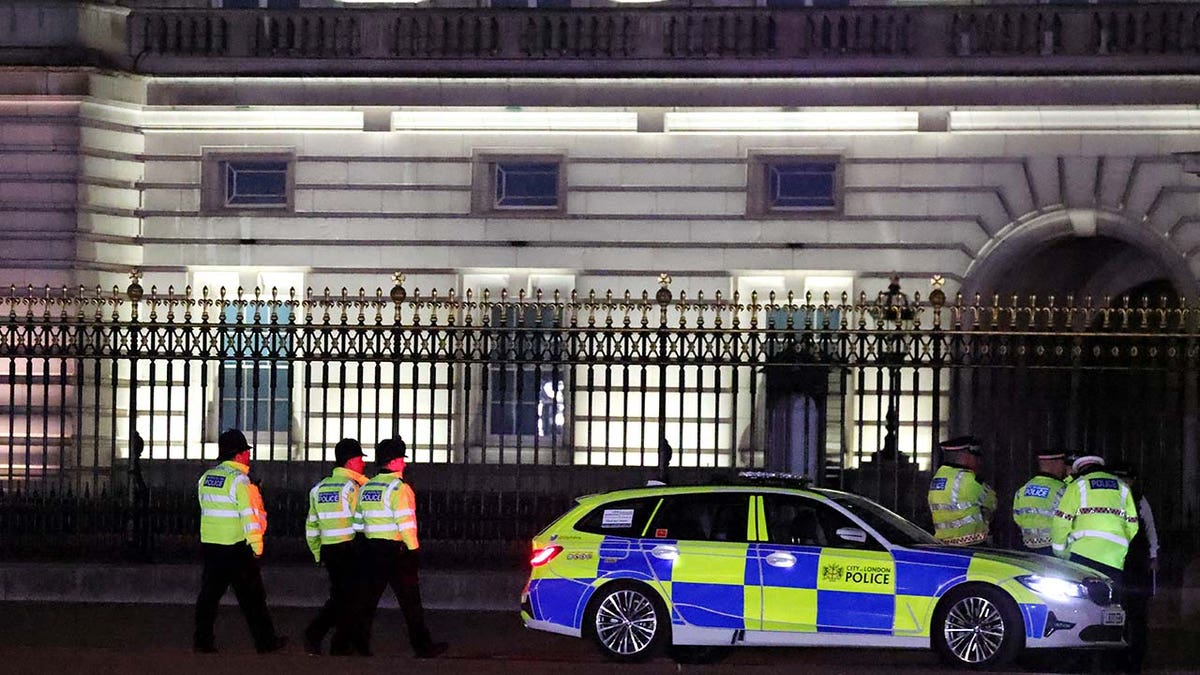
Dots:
{"x": 895, "y": 529}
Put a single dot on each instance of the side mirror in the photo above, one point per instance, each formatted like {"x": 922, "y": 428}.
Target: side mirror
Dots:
{"x": 852, "y": 534}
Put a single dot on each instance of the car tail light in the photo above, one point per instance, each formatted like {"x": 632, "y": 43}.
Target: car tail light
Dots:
{"x": 541, "y": 556}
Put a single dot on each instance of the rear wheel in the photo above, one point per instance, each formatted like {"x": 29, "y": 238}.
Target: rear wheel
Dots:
{"x": 628, "y": 621}
{"x": 977, "y": 626}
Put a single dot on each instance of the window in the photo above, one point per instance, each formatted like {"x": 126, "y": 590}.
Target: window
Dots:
{"x": 797, "y": 521}
{"x": 780, "y": 185}
{"x": 247, "y": 181}
{"x": 626, "y": 518}
{"x": 702, "y": 517}
{"x": 519, "y": 185}
{"x": 895, "y": 529}
{"x": 527, "y": 399}
{"x": 255, "y": 395}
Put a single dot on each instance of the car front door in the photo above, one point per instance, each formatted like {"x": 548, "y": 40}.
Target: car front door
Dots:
{"x": 697, "y": 545}
{"x": 820, "y": 572}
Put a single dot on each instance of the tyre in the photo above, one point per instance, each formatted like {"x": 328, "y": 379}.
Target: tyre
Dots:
{"x": 628, "y": 621}
{"x": 977, "y": 626}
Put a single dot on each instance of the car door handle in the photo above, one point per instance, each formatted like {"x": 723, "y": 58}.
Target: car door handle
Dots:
{"x": 665, "y": 552}
{"x": 781, "y": 560}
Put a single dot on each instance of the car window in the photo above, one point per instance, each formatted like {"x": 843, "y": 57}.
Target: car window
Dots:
{"x": 889, "y": 525}
{"x": 625, "y": 518}
{"x": 702, "y": 517}
{"x": 800, "y": 521}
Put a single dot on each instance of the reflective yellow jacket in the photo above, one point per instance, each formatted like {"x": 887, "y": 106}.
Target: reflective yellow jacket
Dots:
{"x": 1096, "y": 519}
{"x": 387, "y": 509}
{"x": 1033, "y": 508}
{"x": 331, "y": 505}
{"x": 961, "y": 506}
{"x": 227, "y": 515}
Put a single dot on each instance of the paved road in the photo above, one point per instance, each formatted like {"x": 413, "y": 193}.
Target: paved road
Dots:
{"x": 67, "y": 638}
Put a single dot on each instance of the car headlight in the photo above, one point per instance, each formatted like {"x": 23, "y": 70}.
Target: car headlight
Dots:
{"x": 1053, "y": 587}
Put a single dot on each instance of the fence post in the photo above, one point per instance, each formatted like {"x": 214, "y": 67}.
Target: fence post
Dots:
{"x": 663, "y": 298}
{"x": 139, "y": 539}
{"x": 398, "y": 295}
{"x": 937, "y": 299}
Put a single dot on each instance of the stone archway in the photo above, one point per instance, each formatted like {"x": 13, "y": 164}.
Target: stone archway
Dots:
{"x": 1127, "y": 412}
{"x": 1077, "y": 251}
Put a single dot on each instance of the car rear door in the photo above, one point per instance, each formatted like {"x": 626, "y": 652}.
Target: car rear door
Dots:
{"x": 697, "y": 545}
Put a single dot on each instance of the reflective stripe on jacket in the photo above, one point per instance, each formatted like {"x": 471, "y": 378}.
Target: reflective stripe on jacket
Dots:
{"x": 1033, "y": 509}
{"x": 387, "y": 509}
{"x": 227, "y": 515}
{"x": 1096, "y": 518}
{"x": 331, "y": 505}
{"x": 961, "y": 506}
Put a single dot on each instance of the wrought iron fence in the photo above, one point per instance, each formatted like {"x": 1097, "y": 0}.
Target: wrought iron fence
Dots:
{"x": 511, "y": 404}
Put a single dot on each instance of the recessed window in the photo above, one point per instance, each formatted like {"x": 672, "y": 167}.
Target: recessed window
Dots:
{"x": 247, "y": 181}
{"x": 254, "y": 183}
{"x": 801, "y": 185}
{"x": 783, "y": 184}
{"x": 526, "y": 185}
{"x": 520, "y": 185}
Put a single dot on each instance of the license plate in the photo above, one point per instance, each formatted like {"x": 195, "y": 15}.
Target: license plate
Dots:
{"x": 1114, "y": 617}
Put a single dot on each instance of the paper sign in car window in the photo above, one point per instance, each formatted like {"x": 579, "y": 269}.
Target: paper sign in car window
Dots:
{"x": 617, "y": 518}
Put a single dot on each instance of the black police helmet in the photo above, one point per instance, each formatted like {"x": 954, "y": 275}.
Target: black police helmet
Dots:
{"x": 389, "y": 449}
{"x": 347, "y": 449}
{"x": 230, "y": 443}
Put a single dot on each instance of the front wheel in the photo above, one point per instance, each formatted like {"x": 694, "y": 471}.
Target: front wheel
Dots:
{"x": 628, "y": 621}
{"x": 977, "y": 627}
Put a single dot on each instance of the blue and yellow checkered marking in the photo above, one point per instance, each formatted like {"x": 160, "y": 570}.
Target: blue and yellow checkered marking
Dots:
{"x": 731, "y": 586}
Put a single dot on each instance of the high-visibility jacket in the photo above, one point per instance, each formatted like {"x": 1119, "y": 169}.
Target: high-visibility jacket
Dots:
{"x": 1033, "y": 508}
{"x": 226, "y": 513}
{"x": 961, "y": 506}
{"x": 1096, "y": 519}
{"x": 387, "y": 509}
{"x": 331, "y": 505}
{"x": 258, "y": 511}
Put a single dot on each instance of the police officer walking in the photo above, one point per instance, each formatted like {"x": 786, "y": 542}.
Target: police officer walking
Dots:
{"x": 231, "y": 536}
{"x": 387, "y": 515}
{"x": 1095, "y": 519}
{"x": 1035, "y": 501}
{"x": 333, "y": 541}
{"x": 961, "y": 505}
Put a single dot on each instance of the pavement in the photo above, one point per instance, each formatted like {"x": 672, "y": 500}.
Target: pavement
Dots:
{"x": 41, "y": 637}
{"x": 89, "y": 618}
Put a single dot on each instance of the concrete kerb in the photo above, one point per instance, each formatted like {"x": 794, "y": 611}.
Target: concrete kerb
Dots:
{"x": 287, "y": 586}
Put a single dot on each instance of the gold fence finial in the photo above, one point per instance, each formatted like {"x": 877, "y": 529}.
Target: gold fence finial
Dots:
{"x": 398, "y": 294}
{"x": 135, "y": 291}
{"x": 663, "y": 296}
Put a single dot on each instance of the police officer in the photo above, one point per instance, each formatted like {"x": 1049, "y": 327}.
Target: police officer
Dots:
{"x": 1141, "y": 565}
{"x": 333, "y": 541}
{"x": 1095, "y": 519}
{"x": 961, "y": 505}
{"x": 387, "y": 515}
{"x": 1035, "y": 501}
{"x": 231, "y": 536}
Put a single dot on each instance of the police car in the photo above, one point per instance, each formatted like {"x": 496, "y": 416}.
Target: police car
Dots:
{"x": 762, "y": 565}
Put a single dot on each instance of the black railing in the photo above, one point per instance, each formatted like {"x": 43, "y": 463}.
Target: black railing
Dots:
{"x": 513, "y": 405}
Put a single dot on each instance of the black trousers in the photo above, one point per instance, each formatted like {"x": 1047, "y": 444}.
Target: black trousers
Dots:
{"x": 392, "y": 564}
{"x": 225, "y": 566}
{"x": 341, "y": 612}
{"x": 1115, "y": 574}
